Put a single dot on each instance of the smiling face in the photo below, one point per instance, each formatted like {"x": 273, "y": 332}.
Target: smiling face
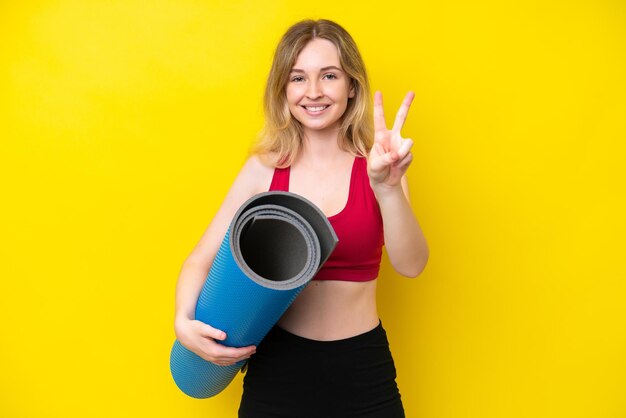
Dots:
{"x": 318, "y": 90}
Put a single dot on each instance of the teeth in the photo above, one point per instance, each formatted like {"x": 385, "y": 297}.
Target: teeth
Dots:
{"x": 316, "y": 108}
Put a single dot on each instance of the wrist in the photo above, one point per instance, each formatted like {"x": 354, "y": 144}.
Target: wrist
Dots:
{"x": 182, "y": 325}
{"x": 384, "y": 191}
{"x": 182, "y": 318}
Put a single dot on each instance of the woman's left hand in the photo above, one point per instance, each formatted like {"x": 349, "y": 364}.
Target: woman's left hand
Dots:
{"x": 390, "y": 156}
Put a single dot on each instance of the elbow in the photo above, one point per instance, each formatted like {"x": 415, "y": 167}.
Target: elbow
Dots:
{"x": 412, "y": 273}
{"x": 414, "y": 269}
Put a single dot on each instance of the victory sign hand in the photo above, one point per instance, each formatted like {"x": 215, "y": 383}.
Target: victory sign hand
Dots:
{"x": 390, "y": 156}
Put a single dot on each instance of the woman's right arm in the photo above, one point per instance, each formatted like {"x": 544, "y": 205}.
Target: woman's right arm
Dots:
{"x": 196, "y": 336}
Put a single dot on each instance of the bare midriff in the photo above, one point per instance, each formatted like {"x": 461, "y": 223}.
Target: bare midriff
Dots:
{"x": 328, "y": 310}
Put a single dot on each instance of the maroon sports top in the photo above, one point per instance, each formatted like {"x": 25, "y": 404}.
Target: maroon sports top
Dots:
{"x": 359, "y": 227}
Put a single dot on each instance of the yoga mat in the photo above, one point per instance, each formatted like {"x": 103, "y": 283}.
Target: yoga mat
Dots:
{"x": 275, "y": 244}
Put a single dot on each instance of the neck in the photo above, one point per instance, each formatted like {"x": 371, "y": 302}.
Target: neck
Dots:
{"x": 321, "y": 146}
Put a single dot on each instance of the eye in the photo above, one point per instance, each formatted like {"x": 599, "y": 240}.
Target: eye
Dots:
{"x": 297, "y": 78}
{"x": 329, "y": 76}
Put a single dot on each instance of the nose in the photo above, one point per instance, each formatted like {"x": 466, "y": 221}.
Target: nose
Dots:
{"x": 314, "y": 90}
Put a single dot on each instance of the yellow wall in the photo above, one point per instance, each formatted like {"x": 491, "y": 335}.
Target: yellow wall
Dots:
{"x": 122, "y": 124}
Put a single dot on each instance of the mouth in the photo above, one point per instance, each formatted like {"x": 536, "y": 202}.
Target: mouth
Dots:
{"x": 315, "y": 109}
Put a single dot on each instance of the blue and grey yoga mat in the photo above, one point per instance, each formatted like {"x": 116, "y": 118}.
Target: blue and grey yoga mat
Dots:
{"x": 275, "y": 244}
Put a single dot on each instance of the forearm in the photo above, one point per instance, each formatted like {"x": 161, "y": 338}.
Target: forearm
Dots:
{"x": 404, "y": 240}
{"x": 190, "y": 281}
{"x": 196, "y": 267}
{"x": 200, "y": 338}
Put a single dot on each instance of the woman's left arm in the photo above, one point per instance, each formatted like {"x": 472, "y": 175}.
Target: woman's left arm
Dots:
{"x": 388, "y": 161}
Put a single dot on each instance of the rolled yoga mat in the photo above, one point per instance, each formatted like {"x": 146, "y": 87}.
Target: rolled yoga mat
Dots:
{"x": 276, "y": 243}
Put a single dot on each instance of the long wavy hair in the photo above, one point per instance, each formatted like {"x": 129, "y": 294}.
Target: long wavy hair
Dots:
{"x": 282, "y": 136}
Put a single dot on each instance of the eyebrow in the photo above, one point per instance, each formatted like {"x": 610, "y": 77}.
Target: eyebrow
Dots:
{"x": 331, "y": 67}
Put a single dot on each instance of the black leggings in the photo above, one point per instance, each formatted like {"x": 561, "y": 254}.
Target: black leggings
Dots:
{"x": 294, "y": 377}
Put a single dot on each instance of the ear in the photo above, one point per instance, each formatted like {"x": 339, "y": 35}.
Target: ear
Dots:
{"x": 352, "y": 91}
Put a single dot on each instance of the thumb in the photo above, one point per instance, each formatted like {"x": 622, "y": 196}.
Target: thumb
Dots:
{"x": 383, "y": 161}
{"x": 209, "y": 331}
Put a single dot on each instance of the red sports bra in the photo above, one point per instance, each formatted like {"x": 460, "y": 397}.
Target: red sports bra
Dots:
{"x": 359, "y": 227}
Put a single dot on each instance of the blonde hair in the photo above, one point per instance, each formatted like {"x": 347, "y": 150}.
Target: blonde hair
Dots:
{"x": 282, "y": 135}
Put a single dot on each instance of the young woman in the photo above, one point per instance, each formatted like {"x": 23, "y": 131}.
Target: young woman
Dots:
{"x": 328, "y": 355}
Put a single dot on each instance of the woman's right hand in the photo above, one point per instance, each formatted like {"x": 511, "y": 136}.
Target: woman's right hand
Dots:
{"x": 200, "y": 338}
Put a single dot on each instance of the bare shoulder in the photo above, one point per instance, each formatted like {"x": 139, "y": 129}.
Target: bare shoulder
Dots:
{"x": 256, "y": 173}
{"x": 254, "y": 177}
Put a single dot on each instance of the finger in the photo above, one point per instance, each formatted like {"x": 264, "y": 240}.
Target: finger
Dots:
{"x": 384, "y": 160}
{"x": 376, "y": 151}
{"x": 405, "y": 148}
{"x": 236, "y": 353}
{"x": 379, "y": 157}
{"x": 379, "y": 147}
{"x": 222, "y": 353}
{"x": 225, "y": 362}
{"x": 405, "y": 162}
{"x": 379, "y": 114}
{"x": 384, "y": 139}
{"x": 403, "y": 112}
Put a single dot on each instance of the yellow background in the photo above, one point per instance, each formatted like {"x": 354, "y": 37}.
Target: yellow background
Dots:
{"x": 123, "y": 123}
